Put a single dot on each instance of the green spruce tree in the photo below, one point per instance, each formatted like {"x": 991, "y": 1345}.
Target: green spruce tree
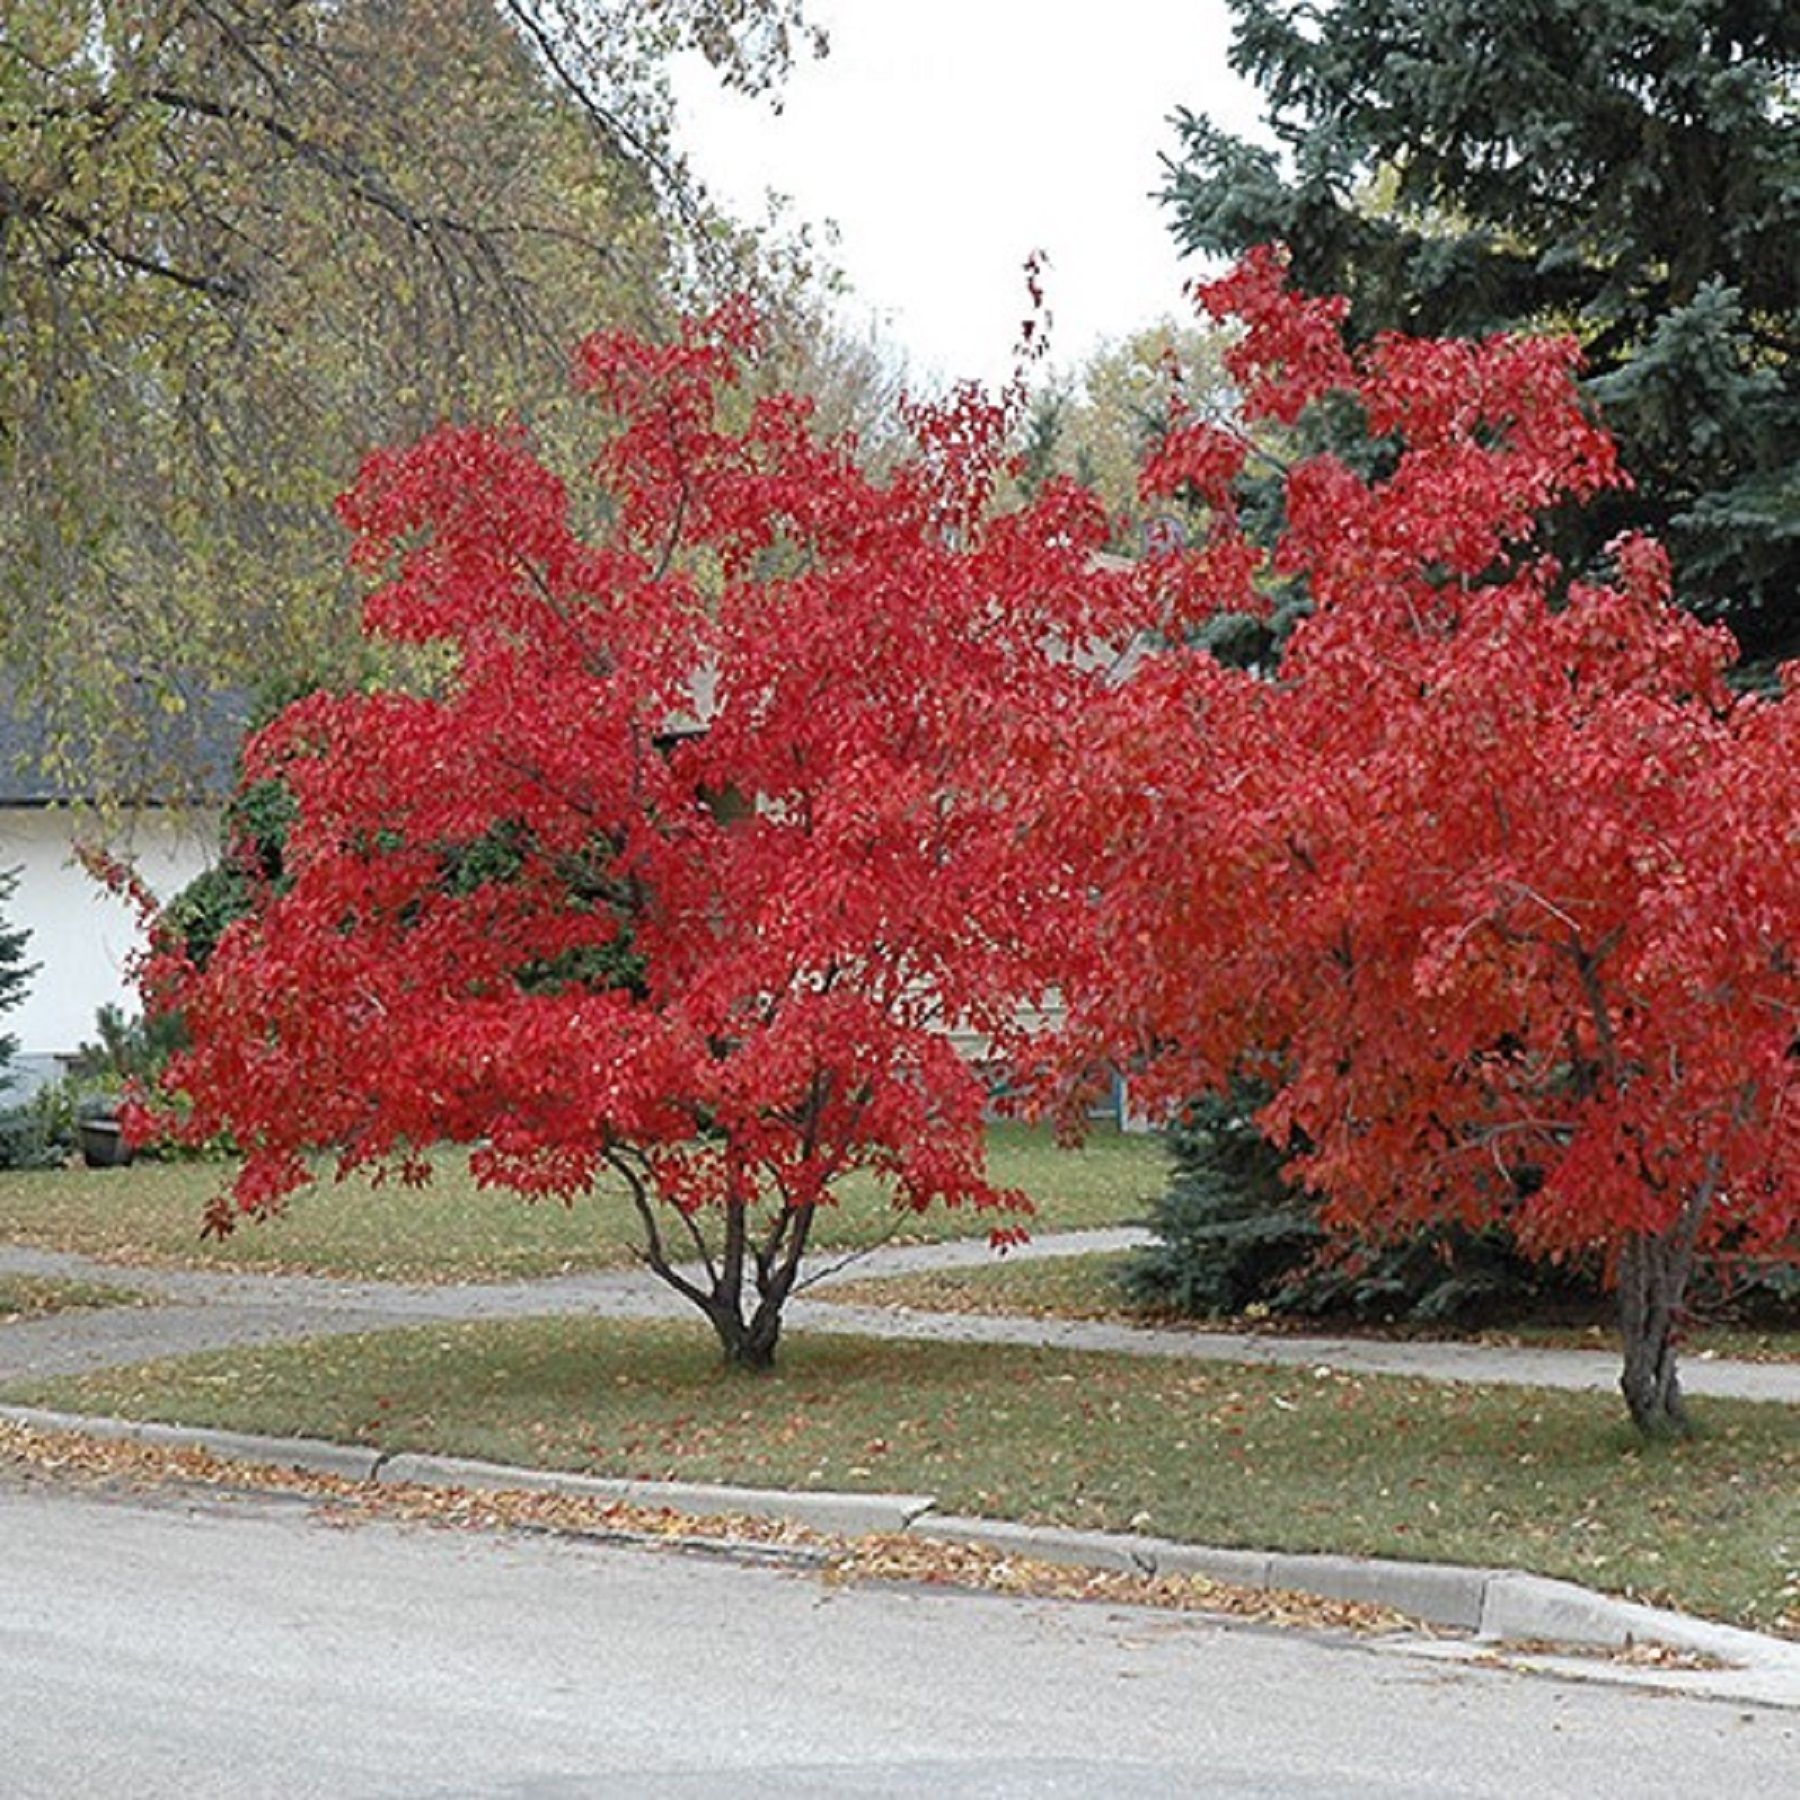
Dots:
{"x": 15, "y": 972}
{"x": 1628, "y": 172}
{"x": 1229, "y": 1229}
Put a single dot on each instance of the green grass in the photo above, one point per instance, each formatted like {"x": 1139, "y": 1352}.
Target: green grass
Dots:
{"x": 452, "y": 1231}
{"x": 1294, "y": 1459}
{"x": 1059, "y": 1287}
{"x": 34, "y": 1296}
{"x": 1737, "y": 1343}
{"x": 1086, "y": 1287}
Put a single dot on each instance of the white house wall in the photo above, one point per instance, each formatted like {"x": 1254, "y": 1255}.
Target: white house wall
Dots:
{"x": 82, "y": 936}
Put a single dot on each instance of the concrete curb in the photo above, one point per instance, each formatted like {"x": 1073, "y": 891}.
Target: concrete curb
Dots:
{"x": 311, "y": 1455}
{"x": 835, "y": 1515}
{"x": 1494, "y": 1606}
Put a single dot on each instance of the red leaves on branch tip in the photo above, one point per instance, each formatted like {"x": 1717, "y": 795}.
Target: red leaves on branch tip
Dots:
{"x": 1205, "y": 457}
{"x": 1292, "y": 351}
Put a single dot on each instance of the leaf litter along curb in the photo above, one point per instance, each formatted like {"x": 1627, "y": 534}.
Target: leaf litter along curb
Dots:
{"x": 1634, "y": 1653}
{"x": 113, "y": 1464}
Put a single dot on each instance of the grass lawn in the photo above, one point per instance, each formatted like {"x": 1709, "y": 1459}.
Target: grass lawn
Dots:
{"x": 1059, "y": 1287}
{"x": 32, "y": 1296}
{"x": 452, "y": 1231}
{"x": 1288, "y": 1459}
{"x": 1086, "y": 1287}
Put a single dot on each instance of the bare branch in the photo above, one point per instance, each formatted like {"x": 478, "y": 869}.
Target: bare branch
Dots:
{"x": 848, "y": 1261}
{"x": 613, "y": 129}
{"x": 651, "y": 1252}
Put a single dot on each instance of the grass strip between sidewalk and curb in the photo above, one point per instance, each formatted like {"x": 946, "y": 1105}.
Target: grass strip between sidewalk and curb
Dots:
{"x": 1285, "y": 1459}
{"x": 149, "y": 1213}
{"x": 1086, "y": 1286}
{"x": 37, "y": 1296}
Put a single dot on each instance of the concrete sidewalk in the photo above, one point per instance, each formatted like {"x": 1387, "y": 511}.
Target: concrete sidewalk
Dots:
{"x": 203, "y": 1310}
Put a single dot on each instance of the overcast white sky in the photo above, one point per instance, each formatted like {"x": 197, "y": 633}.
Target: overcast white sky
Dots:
{"x": 947, "y": 139}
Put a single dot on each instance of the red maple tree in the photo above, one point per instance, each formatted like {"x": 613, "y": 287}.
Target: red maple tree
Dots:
{"x": 1494, "y": 879}
{"x": 708, "y": 832}
{"x": 725, "y": 809}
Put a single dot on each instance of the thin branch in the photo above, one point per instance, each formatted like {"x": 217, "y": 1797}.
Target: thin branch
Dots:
{"x": 766, "y": 1252}
{"x": 340, "y": 168}
{"x": 214, "y": 286}
{"x": 780, "y": 1284}
{"x": 1523, "y": 892}
{"x": 651, "y": 1252}
{"x": 673, "y": 542}
{"x": 827, "y": 1271}
{"x": 610, "y": 126}
{"x": 700, "y": 1244}
{"x": 1695, "y": 1208}
{"x": 1587, "y": 968}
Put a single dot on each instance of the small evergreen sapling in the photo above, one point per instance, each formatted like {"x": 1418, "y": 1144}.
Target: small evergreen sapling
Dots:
{"x": 15, "y": 972}
{"x": 1230, "y": 1231}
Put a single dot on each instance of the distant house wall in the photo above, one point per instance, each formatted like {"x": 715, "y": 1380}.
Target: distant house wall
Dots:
{"x": 82, "y": 937}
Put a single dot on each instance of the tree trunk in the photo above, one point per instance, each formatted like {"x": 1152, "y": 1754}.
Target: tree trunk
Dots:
{"x": 718, "y": 1288}
{"x": 748, "y": 1343}
{"x": 1653, "y": 1278}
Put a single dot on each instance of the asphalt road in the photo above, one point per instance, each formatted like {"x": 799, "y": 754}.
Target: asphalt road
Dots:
{"x": 164, "y": 1646}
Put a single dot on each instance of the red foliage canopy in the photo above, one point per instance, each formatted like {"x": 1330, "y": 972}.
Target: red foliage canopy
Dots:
{"x": 1495, "y": 879}
{"x": 707, "y": 833}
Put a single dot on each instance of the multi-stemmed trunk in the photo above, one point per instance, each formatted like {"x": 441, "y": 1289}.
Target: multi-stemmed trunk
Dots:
{"x": 1653, "y": 1276}
{"x": 743, "y": 1286}
{"x": 1653, "y": 1273}
{"x": 747, "y": 1318}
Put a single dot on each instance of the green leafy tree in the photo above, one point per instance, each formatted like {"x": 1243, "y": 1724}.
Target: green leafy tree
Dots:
{"x": 241, "y": 241}
{"x": 27, "y": 1138}
{"x": 1627, "y": 172}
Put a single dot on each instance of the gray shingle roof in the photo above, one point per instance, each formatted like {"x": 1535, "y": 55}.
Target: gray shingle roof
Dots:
{"x": 158, "y": 757}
